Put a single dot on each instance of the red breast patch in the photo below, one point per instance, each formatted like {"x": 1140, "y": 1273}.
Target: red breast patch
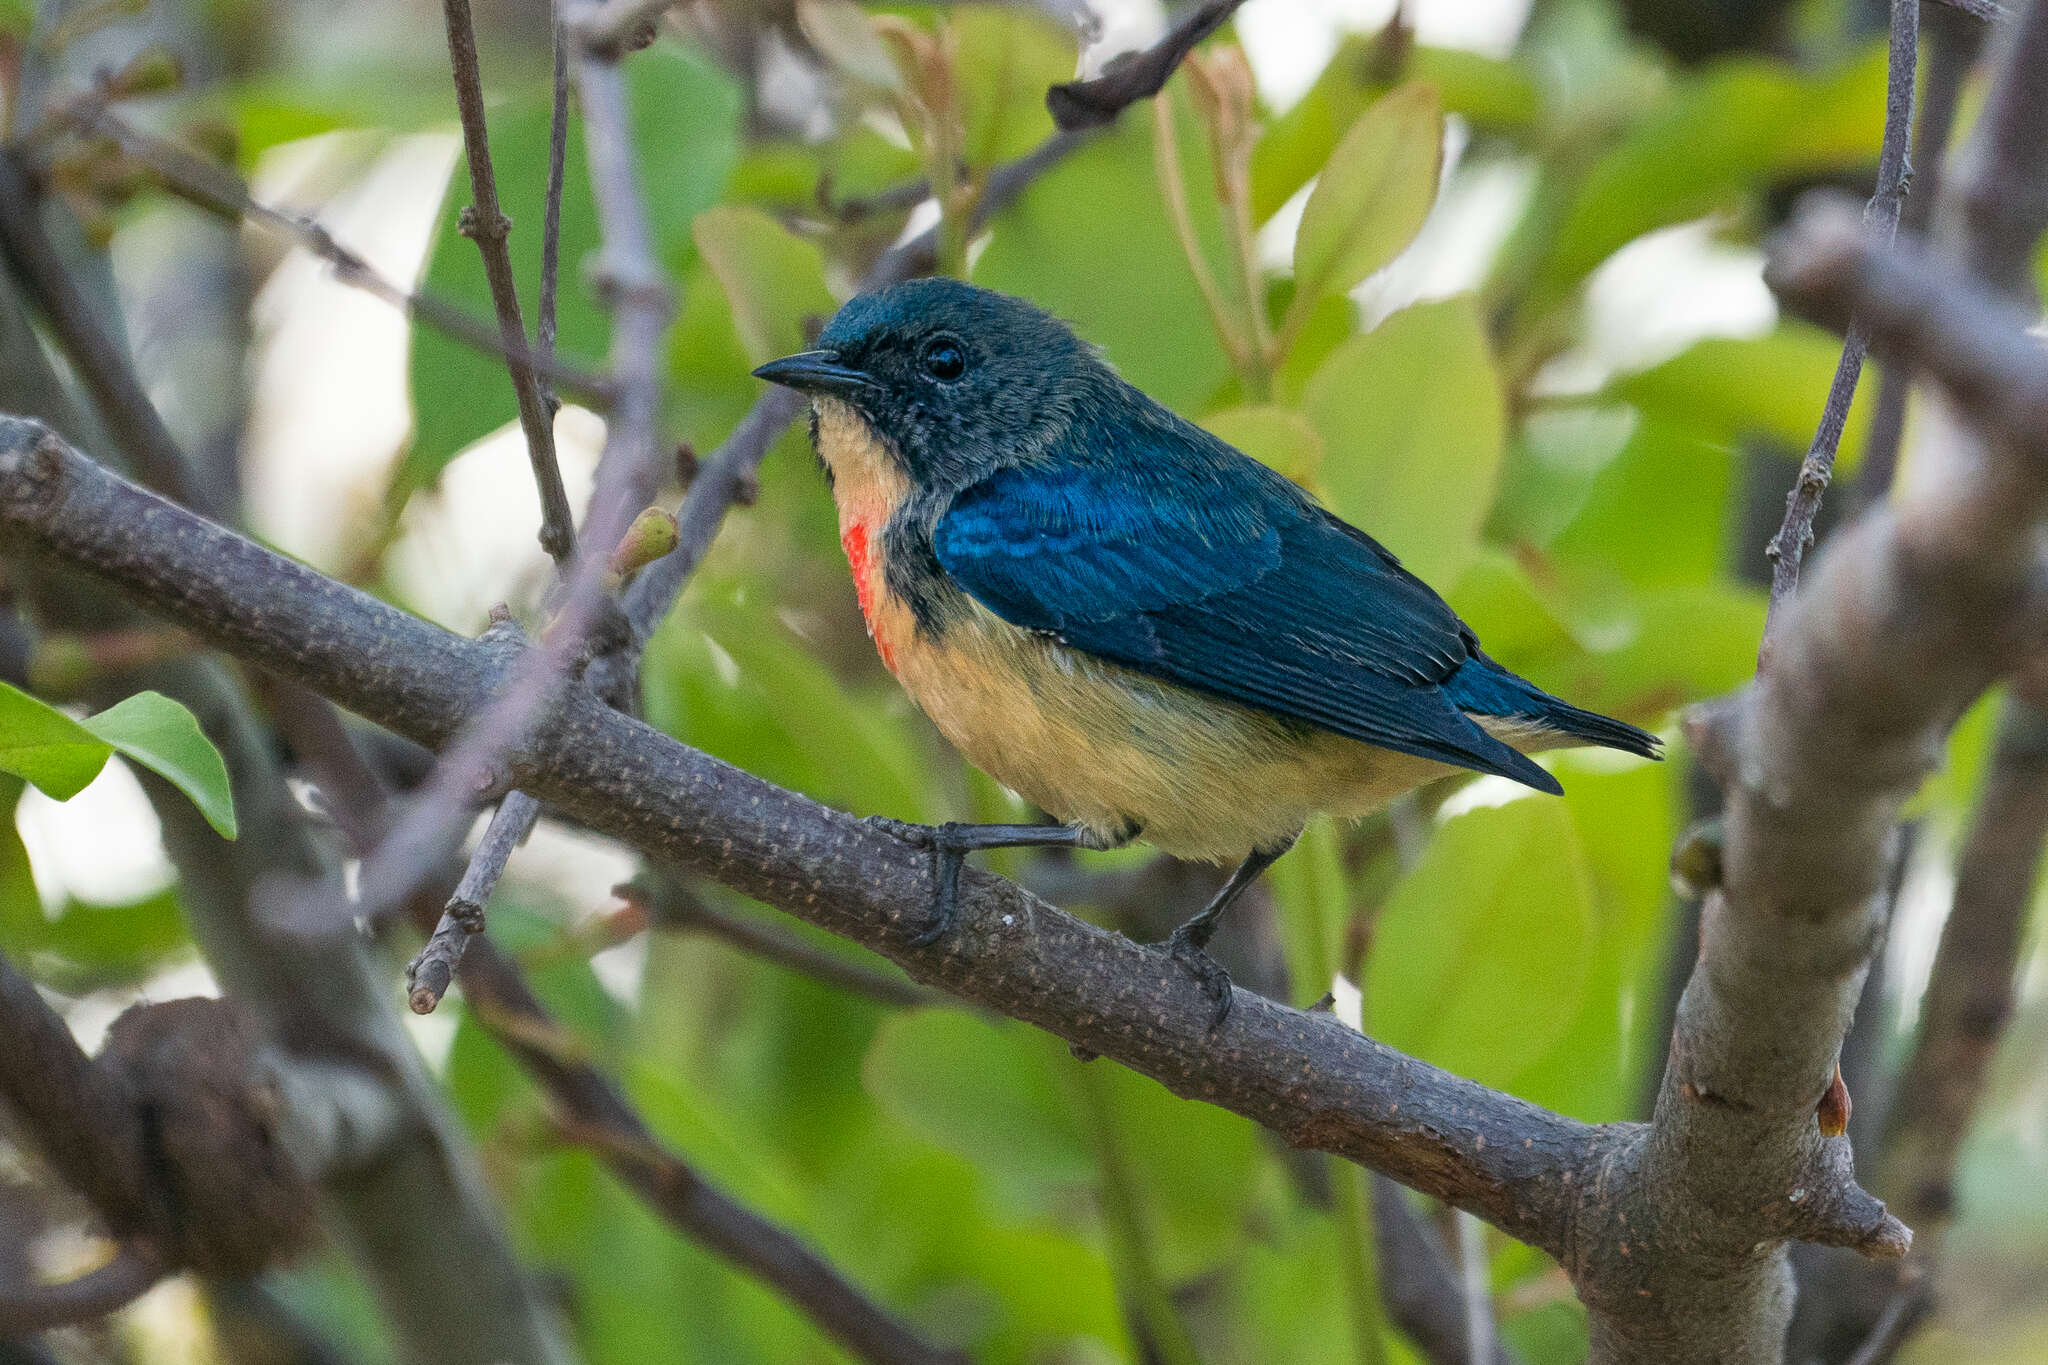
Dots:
{"x": 854, "y": 539}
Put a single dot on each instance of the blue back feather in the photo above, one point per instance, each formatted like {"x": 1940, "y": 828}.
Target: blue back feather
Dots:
{"x": 1145, "y": 541}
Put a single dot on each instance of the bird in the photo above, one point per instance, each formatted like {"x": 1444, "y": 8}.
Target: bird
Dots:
{"x": 1130, "y": 623}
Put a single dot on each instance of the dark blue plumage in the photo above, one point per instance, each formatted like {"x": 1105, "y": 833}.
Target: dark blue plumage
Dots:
{"x": 1165, "y": 550}
{"x": 1144, "y": 631}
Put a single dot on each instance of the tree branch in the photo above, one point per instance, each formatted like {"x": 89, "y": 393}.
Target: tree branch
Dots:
{"x": 1951, "y": 39}
{"x": 28, "y": 1309}
{"x": 1486, "y": 1152}
{"x": 218, "y": 191}
{"x": 674, "y": 908}
{"x": 597, "y": 1115}
{"x": 1970, "y": 992}
{"x": 484, "y": 223}
{"x": 1788, "y": 548}
{"x": 1079, "y": 105}
{"x": 429, "y": 974}
{"x": 1916, "y": 610}
{"x": 101, "y": 360}
{"x": 81, "y": 1116}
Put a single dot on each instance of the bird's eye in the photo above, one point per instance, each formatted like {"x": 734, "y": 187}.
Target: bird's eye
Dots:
{"x": 943, "y": 358}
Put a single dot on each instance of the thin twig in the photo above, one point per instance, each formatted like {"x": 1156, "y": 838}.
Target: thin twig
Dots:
{"x": 1096, "y": 103}
{"x": 1423, "y": 1288}
{"x": 1173, "y": 188}
{"x": 627, "y": 474}
{"x": 551, "y": 222}
{"x": 1972, "y": 987}
{"x": 1950, "y": 41}
{"x": 595, "y": 1112}
{"x": 1788, "y": 548}
{"x": 429, "y": 974}
{"x": 219, "y": 191}
{"x": 675, "y": 908}
{"x": 1901, "y": 1315}
{"x": 484, "y": 223}
{"x": 99, "y": 358}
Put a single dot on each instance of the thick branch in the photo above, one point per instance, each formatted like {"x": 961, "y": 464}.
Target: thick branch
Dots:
{"x": 1970, "y": 992}
{"x": 1306, "y": 1075}
{"x": 1905, "y": 621}
{"x": 81, "y": 1116}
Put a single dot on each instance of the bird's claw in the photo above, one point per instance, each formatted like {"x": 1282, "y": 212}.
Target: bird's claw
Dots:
{"x": 948, "y": 851}
{"x": 1188, "y": 949}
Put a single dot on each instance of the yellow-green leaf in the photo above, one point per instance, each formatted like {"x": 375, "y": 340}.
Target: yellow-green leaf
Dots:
{"x": 773, "y": 278}
{"x": 1413, "y": 422}
{"x": 1373, "y": 194}
{"x": 163, "y": 736}
{"x": 1279, "y": 438}
{"x": 49, "y": 748}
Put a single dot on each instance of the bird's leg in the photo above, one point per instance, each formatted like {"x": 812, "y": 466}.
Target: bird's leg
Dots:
{"x": 1189, "y": 944}
{"x": 951, "y": 842}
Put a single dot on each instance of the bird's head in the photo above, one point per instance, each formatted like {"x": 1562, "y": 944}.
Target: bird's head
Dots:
{"x": 952, "y": 379}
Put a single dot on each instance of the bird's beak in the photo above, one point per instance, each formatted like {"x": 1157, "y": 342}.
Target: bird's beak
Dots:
{"x": 815, "y": 372}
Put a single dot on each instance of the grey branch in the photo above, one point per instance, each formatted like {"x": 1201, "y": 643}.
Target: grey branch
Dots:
{"x": 596, "y": 1115}
{"x": 676, "y": 908}
{"x": 429, "y": 974}
{"x": 1533, "y": 1173}
{"x": 1096, "y": 103}
{"x": 484, "y": 223}
{"x": 1788, "y": 548}
{"x": 219, "y": 191}
{"x": 28, "y": 1309}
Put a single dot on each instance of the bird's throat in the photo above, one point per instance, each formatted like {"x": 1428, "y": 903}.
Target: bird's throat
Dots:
{"x": 869, "y": 486}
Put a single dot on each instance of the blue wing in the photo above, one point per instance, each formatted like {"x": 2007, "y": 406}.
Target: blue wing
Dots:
{"x": 1175, "y": 555}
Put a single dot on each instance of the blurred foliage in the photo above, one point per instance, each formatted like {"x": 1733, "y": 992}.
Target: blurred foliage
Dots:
{"x": 967, "y": 1170}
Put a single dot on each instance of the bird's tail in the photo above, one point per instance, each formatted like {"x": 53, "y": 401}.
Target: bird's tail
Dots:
{"x": 1483, "y": 688}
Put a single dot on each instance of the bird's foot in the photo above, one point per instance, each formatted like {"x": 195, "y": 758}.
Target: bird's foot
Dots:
{"x": 1188, "y": 945}
{"x": 949, "y": 847}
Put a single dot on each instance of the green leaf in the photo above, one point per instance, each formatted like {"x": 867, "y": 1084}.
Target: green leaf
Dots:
{"x": 773, "y": 278}
{"x": 1729, "y": 129}
{"x": 1374, "y": 193}
{"x": 1479, "y": 962}
{"x": 1116, "y": 272}
{"x": 1277, "y": 437}
{"x": 163, "y": 736}
{"x": 840, "y": 32}
{"x": 685, "y": 124}
{"x": 983, "y": 1090}
{"x": 41, "y": 743}
{"x": 1728, "y": 389}
{"x": 1488, "y": 92}
{"x": 1413, "y": 422}
{"x": 1657, "y": 514}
